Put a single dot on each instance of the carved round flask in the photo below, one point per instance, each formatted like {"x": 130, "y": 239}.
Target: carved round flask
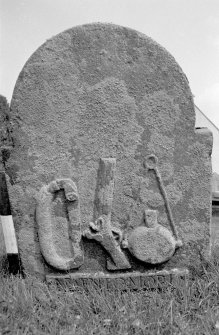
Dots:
{"x": 154, "y": 244}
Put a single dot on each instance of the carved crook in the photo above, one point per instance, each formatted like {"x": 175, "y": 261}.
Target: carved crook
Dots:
{"x": 44, "y": 221}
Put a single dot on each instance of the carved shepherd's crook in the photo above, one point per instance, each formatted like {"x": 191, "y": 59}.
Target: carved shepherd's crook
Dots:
{"x": 45, "y": 224}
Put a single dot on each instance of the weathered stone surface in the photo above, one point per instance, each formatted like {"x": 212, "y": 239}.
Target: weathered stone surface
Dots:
{"x": 154, "y": 244}
{"x": 124, "y": 281}
{"x": 110, "y": 110}
{"x": 102, "y": 229}
{"x": 45, "y": 219}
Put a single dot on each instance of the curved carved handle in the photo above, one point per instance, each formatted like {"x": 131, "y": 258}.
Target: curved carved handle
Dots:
{"x": 44, "y": 221}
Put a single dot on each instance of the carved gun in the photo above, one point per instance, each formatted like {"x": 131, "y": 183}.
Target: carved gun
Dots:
{"x": 102, "y": 229}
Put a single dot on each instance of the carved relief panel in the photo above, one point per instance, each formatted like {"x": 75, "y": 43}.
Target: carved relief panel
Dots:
{"x": 148, "y": 242}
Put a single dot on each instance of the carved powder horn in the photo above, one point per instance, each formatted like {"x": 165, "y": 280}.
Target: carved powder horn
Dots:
{"x": 45, "y": 224}
{"x": 154, "y": 243}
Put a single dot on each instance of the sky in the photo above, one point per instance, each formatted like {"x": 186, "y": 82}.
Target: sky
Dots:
{"x": 188, "y": 29}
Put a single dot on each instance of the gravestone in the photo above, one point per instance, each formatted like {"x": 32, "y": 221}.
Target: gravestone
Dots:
{"x": 109, "y": 180}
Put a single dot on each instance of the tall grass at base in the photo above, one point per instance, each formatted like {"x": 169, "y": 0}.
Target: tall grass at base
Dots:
{"x": 30, "y": 306}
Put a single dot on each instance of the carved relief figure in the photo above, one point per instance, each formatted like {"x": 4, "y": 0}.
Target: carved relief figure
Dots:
{"x": 45, "y": 224}
{"x": 152, "y": 243}
{"x": 149, "y": 243}
{"x": 102, "y": 229}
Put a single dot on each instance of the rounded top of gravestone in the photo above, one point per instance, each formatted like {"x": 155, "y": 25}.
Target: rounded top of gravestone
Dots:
{"x": 86, "y": 55}
{"x": 99, "y": 91}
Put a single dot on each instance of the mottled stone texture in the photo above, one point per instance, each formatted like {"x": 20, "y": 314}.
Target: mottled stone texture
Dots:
{"x": 99, "y": 92}
{"x": 134, "y": 281}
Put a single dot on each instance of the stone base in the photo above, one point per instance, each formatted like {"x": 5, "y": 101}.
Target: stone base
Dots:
{"x": 121, "y": 282}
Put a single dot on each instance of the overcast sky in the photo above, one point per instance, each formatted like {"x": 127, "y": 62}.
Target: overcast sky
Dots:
{"x": 188, "y": 29}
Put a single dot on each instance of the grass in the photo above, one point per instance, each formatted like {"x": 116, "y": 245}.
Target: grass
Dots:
{"x": 30, "y": 306}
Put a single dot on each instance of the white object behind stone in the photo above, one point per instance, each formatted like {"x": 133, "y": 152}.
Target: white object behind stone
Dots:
{"x": 9, "y": 234}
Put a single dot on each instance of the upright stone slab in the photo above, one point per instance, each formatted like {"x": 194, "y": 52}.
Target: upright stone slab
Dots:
{"x": 108, "y": 176}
